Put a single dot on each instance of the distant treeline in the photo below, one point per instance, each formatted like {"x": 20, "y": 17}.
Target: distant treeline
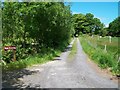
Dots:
{"x": 88, "y": 24}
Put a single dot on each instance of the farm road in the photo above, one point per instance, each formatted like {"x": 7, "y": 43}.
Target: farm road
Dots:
{"x": 63, "y": 73}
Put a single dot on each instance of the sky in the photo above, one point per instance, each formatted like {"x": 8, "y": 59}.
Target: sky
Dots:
{"x": 105, "y": 11}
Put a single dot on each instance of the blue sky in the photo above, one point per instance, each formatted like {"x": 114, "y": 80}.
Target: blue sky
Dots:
{"x": 105, "y": 11}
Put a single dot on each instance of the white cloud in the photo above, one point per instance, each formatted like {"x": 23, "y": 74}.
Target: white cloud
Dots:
{"x": 99, "y": 18}
{"x": 102, "y": 18}
{"x": 75, "y": 12}
{"x": 107, "y": 25}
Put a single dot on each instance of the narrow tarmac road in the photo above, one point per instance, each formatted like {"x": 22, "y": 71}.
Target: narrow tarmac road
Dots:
{"x": 62, "y": 73}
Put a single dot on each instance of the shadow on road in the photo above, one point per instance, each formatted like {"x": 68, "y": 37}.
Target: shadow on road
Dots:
{"x": 69, "y": 47}
{"x": 13, "y": 79}
{"x": 57, "y": 59}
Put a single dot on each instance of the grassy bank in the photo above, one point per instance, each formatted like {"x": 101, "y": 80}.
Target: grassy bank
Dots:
{"x": 94, "y": 47}
{"x": 31, "y": 60}
{"x": 39, "y": 58}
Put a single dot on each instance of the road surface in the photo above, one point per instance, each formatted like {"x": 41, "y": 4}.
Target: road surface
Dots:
{"x": 61, "y": 73}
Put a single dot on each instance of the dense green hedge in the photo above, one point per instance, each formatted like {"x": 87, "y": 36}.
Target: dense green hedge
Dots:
{"x": 35, "y": 27}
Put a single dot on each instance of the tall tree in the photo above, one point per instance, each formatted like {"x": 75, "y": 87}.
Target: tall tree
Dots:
{"x": 114, "y": 27}
{"x": 44, "y": 24}
{"x": 87, "y": 24}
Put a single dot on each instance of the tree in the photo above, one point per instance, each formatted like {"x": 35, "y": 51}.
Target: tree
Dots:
{"x": 79, "y": 23}
{"x": 87, "y": 24}
{"x": 114, "y": 27}
{"x": 34, "y": 27}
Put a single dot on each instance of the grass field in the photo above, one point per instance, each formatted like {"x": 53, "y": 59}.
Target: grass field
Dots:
{"x": 102, "y": 51}
{"x": 111, "y": 47}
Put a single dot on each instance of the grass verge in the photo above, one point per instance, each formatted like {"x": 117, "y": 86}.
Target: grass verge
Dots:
{"x": 73, "y": 50}
{"x": 102, "y": 58}
{"x": 31, "y": 60}
{"x": 41, "y": 58}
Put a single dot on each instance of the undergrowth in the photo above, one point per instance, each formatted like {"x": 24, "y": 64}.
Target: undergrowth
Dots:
{"x": 31, "y": 60}
{"x": 44, "y": 56}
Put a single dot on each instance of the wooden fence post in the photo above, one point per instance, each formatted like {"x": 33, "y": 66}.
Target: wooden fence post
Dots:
{"x": 105, "y": 49}
{"x": 14, "y": 55}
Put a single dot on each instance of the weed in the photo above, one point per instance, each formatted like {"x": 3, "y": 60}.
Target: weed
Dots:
{"x": 36, "y": 59}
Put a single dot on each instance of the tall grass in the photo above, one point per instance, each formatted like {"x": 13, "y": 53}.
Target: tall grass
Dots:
{"x": 101, "y": 42}
{"x": 31, "y": 60}
{"x": 43, "y": 57}
{"x": 95, "y": 50}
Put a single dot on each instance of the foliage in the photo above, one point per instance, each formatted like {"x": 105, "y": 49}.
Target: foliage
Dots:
{"x": 114, "y": 26}
{"x": 87, "y": 24}
{"x": 45, "y": 27}
{"x": 35, "y": 27}
{"x": 35, "y": 59}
